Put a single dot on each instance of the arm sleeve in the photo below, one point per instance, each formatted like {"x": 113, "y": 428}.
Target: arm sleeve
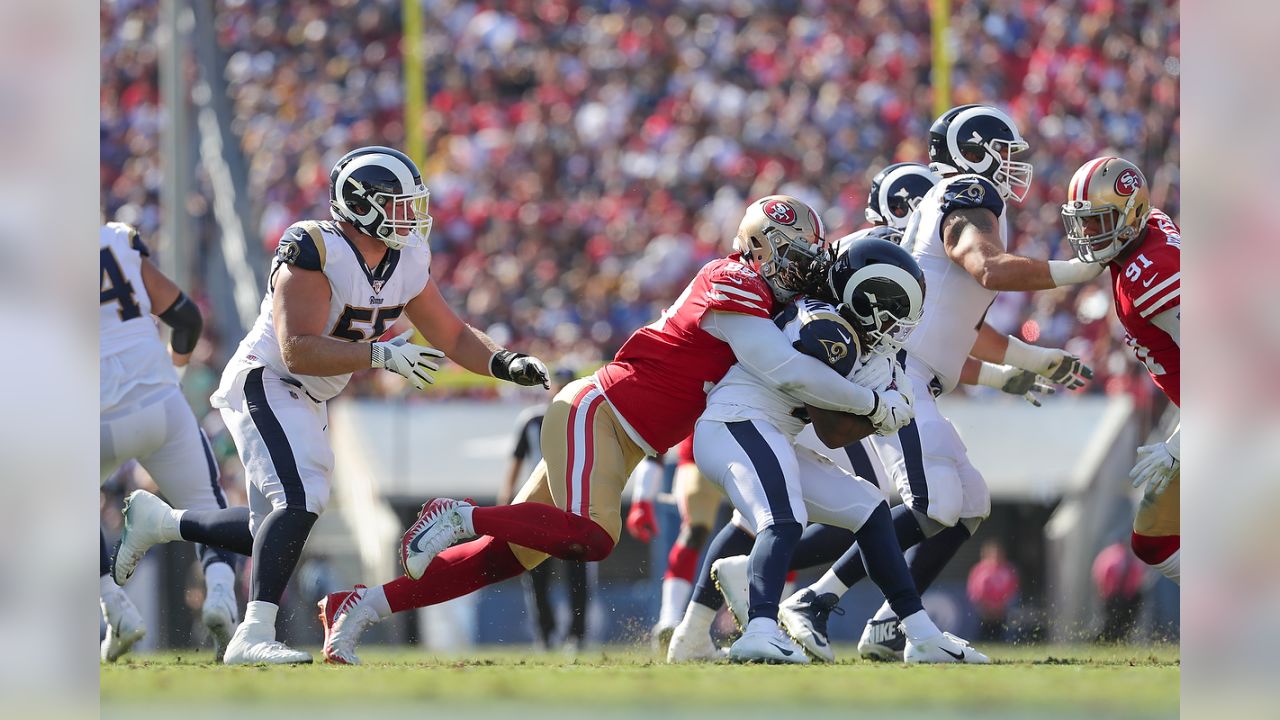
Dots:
{"x": 646, "y": 479}
{"x": 764, "y": 352}
{"x": 1168, "y": 321}
{"x": 187, "y": 323}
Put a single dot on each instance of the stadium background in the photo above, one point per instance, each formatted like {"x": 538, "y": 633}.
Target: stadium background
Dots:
{"x": 585, "y": 158}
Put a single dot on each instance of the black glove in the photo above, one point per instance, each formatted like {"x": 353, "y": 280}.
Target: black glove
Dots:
{"x": 519, "y": 368}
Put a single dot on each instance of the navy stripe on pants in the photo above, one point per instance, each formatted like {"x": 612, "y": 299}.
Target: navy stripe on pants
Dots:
{"x": 767, "y": 468}
{"x": 277, "y": 443}
{"x": 913, "y": 457}
{"x": 861, "y": 462}
{"x": 213, "y": 470}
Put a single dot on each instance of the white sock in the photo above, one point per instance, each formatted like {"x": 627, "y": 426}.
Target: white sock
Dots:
{"x": 698, "y": 618}
{"x": 464, "y": 511}
{"x": 376, "y": 599}
{"x": 172, "y": 531}
{"x": 829, "y": 583}
{"x": 885, "y": 612}
{"x": 1171, "y": 567}
{"x": 107, "y": 587}
{"x": 261, "y": 613}
{"x": 675, "y": 597}
{"x": 219, "y": 573}
{"x": 762, "y": 624}
{"x": 918, "y": 626}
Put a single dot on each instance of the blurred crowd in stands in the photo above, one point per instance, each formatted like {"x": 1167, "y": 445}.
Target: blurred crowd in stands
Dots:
{"x": 584, "y": 158}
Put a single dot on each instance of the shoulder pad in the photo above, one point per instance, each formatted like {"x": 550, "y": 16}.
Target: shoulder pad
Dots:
{"x": 828, "y": 337}
{"x": 971, "y": 191}
{"x": 734, "y": 287}
{"x": 784, "y": 316}
{"x": 135, "y": 242}
{"x": 302, "y": 246}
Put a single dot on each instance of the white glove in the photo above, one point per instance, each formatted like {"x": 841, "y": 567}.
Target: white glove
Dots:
{"x": 1157, "y": 465}
{"x": 1015, "y": 381}
{"x": 876, "y": 373}
{"x": 892, "y": 412}
{"x": 404, "y": 358}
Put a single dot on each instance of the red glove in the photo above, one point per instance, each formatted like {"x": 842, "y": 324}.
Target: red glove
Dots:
{"x": 642, "y": 523}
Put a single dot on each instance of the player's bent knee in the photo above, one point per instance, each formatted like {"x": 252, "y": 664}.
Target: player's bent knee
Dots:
{"x": 1154, "y": 550}
{"x": 590, "y": 543}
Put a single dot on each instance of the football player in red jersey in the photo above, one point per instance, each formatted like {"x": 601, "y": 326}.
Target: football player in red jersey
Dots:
{"x": 598, "y": 428}
{"x": 1109, "y": 219}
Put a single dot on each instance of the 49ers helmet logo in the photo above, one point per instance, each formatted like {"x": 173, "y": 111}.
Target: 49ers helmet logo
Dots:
{"x": 1128, "y": 183}
{"x": 778, "y": 211}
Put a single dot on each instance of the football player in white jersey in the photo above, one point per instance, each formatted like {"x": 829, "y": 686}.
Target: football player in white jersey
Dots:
{"x": 958, "y": 233}
{"x": 334, "y": 289}
{"x": 745, "y": 442}
{"x": 144, "y": 417}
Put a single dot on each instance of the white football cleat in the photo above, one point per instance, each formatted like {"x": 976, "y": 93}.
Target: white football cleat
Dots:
{"x": 731, "y": 578}
{"x": 804, "y": 617}
{"x": 220, "y": 615}
{"x": 688, "y": 645}
{"x": 148, "y": 521}
{"x": 439, "y": 525}
{"x": 124, "y": 625}
{"x": 251, "y": 647}
{"x": 882, "y": 640}
{"x": 944, "y": 648}
{"x": 345, "y": 616}
{"x": 768, "y": 646}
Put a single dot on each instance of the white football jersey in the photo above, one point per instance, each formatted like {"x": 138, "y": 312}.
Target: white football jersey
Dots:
{"x": 954, "y": 303}
{"x": 812, "y": 327}
{"x": 363, "y": 303}
{"x": 132, "y": 354}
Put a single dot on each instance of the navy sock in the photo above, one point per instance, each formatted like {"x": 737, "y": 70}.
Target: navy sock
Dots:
{"x": 729, "y": 542}
{"x": 885, "y": 565}
{"x": 276, "y": 550}
{"x": 104, "y": 560}
{"x": 227, "y": 529}
{"x": 927, "y": 559}
{"x": 821, "y": 545}
{"x": 210, "y": 555}
{"x": 770, "y": 561}
{"x": 850, "y": 568}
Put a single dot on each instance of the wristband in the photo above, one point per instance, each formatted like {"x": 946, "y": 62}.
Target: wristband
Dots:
{"x": 1072, "y": 272}
{"x": 1028, "y": 357}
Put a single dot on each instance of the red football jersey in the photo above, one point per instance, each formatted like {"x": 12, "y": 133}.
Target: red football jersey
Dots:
{"x": 1146, "y": 284}
{"x": 659, "y": 380}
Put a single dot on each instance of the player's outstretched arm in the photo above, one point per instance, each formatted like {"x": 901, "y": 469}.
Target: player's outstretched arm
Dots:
{"x": 764, "y": 351}
{"x": 467, "y": 345}
{"x": 179, "y": 313}
{"x": 971, "y": 237}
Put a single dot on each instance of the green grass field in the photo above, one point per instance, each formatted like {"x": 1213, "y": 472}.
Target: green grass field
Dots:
{"x": 1023, "y": 682}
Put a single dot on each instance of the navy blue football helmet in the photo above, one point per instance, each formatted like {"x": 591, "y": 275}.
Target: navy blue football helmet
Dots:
{"x": 896, "y": 191}
{"x": 982, "y": 140}
{"x": 365, "y": 180}
{"x": 880, "y": 290}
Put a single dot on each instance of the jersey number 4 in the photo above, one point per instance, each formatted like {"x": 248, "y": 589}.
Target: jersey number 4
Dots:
{"x": 349, "y": 323}
{"x": 115, "y": 287}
